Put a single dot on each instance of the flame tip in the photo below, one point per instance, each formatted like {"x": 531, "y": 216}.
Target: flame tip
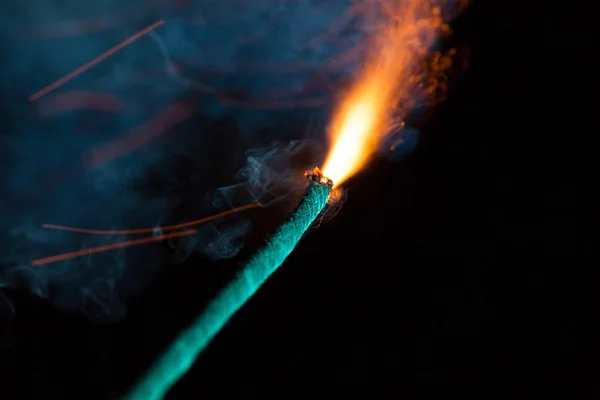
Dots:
{"x": 400, "y": 72}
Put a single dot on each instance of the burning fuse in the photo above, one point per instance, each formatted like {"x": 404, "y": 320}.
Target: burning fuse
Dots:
{"x": 317, "y": 177}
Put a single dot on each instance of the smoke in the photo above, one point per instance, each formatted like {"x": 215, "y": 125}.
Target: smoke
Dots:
{"x": 143, "y": 138}
{"x": 271, "y": 175}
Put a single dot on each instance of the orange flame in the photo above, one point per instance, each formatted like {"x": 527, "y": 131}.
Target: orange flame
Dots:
{"x": 394, "y": 77}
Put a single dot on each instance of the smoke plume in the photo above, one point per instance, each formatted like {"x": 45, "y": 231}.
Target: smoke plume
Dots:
{"x": 155, "y": 134}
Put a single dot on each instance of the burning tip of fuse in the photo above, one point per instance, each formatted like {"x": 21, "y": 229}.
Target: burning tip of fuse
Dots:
{"x": 316, "y": 176}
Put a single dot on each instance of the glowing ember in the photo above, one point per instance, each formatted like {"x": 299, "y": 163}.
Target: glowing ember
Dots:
{"x": 396, "y": 76}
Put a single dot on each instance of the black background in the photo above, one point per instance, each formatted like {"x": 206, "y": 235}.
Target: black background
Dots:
{"x": 454, "y": 271}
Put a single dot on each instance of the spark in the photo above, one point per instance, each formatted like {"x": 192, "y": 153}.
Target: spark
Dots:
{"x": 79, "y": 101}
{"x": 138, "y": 136}
{"x": 130, "y": 141}
{"x": 151, "y": 230}
{"x": 113, "y": 246}
{"x": 95, "y": 61}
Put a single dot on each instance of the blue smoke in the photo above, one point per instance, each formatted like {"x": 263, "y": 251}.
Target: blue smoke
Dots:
{"x": 139, "y": 139}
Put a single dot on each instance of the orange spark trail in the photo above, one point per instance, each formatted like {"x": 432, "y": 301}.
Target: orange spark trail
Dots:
{"x": 132, "y": 140}
{"x": 158, "y": 228}
{"x": 95, "y": 61}
{"x": 69, "y": 101}
{"x": 138, "y": 136}
{"x": 118, "y": 245}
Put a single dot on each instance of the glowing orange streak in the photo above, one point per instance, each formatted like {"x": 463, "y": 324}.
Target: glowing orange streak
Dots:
{"x": 79, "y": 101}
{"x": 134, "y": 139}
{"x": 150, "y": 230}
{"x": 113, "y": 246}
{"x": 95, "y": 61}
{"x": 138, "y": 136}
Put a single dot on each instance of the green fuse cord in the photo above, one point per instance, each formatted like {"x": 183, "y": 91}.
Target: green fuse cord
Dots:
{"x": 182, "y": 353}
